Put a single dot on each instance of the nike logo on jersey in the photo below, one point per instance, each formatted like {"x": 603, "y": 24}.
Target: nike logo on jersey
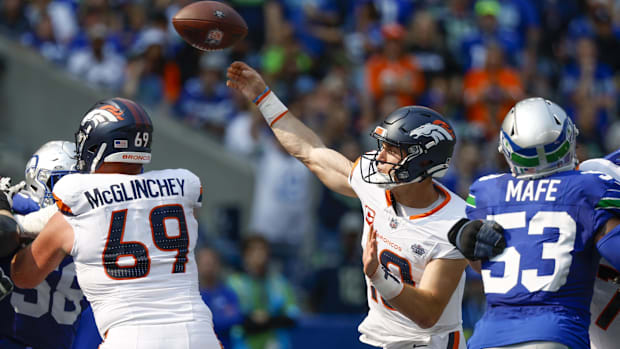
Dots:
{"x": 137, "y": 189}
{"x": 530, "y": 190}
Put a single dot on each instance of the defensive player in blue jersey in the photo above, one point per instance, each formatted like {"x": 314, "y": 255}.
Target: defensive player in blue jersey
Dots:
{"x": 45, "y": 317}
{"x": 558, "y": 223}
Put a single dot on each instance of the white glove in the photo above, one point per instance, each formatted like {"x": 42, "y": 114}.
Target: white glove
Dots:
{"x": 10, "y": 190}
{"x": 32, "y": 223}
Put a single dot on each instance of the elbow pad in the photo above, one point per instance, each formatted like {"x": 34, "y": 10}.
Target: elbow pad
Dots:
{"x": 609, "y": 247}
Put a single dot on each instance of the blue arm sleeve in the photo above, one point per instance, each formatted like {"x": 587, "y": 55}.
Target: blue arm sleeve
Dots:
{"x": 23, "y": 204}
{"x": 609, "y": 247}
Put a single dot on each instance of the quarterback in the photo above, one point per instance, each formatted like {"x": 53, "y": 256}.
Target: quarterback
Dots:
{"x": 415, "y": 277}
{"x": 558, "y": 223}
{"x": 131, "y": 235}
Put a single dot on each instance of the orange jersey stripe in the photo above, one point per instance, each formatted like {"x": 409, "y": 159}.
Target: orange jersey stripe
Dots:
{"x": 444, "y": 203}
{"x": 61, "y": 206}
{"x": 353, "y": 168}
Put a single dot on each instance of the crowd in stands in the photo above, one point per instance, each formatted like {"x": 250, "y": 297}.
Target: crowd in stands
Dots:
{"x": 340, "y": 66}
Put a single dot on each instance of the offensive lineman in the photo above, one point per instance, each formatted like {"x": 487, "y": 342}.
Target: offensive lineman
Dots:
{"x": 131, "y": 234}
{"x": 414, "y": 276}
{"x": 557, "y": 221}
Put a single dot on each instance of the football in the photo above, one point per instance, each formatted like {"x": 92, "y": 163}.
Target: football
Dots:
{"x": 209, "y": 25}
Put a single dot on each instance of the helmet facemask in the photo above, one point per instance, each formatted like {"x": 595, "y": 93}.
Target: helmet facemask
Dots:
{"x": 49, "y": 163}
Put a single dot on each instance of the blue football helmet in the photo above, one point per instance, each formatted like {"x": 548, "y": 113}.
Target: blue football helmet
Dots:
{"x": 47, "y": 165}
{"x": 538, "y": 138}
{"x": 426, "y": 142}
{"x": 114, "y": 130}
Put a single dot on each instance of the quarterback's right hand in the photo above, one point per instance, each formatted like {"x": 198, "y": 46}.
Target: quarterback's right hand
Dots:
{"x": 477, "y": 239}
{"x": 246, "y": 80}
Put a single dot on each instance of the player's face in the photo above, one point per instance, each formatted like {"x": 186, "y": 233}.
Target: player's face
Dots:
{"x": 388, "y": 155}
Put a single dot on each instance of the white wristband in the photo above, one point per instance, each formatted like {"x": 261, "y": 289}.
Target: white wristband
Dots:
{"x": 388, "y": 285}
{"x": 270, "y": 106}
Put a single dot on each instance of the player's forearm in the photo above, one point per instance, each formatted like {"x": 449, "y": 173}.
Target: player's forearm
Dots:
{"x": 298, "y": 139}
{"x": 420, "y": 306}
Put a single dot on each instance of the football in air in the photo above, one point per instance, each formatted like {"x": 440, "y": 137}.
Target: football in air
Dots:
{"x": 209, "y": 25}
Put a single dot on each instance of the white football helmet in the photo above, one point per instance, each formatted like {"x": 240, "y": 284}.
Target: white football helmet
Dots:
{"x": 538, "y": 139}
{"x": 46, "y": 166}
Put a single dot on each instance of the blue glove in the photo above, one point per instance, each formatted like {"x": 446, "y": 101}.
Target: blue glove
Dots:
{"x": 477, "y": 239}
{"x": 23, "y": 204}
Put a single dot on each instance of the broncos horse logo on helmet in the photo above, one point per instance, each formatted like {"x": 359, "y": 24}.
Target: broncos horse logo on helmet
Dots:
{"x": 113, "y": 130}
{"x": 425, "y": 140}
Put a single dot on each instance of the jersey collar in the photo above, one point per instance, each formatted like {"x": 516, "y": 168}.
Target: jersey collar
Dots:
{"x": 446, "y": 194}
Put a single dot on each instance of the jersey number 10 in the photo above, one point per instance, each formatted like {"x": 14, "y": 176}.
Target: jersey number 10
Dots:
{"x": 115, "y": 247}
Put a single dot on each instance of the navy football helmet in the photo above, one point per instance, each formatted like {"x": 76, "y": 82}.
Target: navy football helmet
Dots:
{"x": 113, "y": 130}
{"x": 425, "y": 140}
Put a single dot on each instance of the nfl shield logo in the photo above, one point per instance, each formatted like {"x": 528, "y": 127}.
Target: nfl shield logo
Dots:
{"x": 219, "y": 14}
{"x": 393, "y": 223}
{"x": 214, "y": 37}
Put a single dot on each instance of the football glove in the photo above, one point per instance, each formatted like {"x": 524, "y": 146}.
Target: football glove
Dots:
{"x": 477, "y": 239}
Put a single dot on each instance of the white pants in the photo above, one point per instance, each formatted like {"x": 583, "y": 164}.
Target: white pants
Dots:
{"x": 454, "y": 340}
{"x": 534, "y": 345}
{"x": 186, "y": 335}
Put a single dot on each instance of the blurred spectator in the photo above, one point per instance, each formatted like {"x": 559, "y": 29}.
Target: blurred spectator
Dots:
{"x": 246, "y": 134}
{"x": 150, "y": 77}
{"x": 427, "y": 46}
{"x": 221, "y": 298}
{"x": 62, "y": 14}
{"x": 206, "y": 102}
{"x": 589, "y": 90}
{"x": 457, "y": 23}
{"x": 475, "y": 46}
{"x": 469, "y": 163}
{"x": 98, "y": 64}
{"x": 13, "y": 21}
{"x": 597, "y": 23}
{"x": 267, "y": 301}
{"x": 393, "y": 71}
{"x": 490, "y": 92}
{"x": 43, "y": 40}
{"x": 340, "y": 287}
{"x": 284, "y": 59}
{"x": 282, "y": 202}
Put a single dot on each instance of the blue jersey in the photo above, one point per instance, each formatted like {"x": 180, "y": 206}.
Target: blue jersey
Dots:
{"x": 45, "y": 317}
{"x": 540, "y": 287}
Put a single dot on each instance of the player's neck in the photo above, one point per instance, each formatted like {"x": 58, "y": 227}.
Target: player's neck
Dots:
{"x": 416, "y": 195}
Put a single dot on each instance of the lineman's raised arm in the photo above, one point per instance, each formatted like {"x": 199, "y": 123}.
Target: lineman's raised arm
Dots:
{"x": 331, "y": 167}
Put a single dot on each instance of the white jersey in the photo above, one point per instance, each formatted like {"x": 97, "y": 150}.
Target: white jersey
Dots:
{"x": 407, "y": 244}
{"x": 604, "y": 326}
{"x": 134, "y": 245}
